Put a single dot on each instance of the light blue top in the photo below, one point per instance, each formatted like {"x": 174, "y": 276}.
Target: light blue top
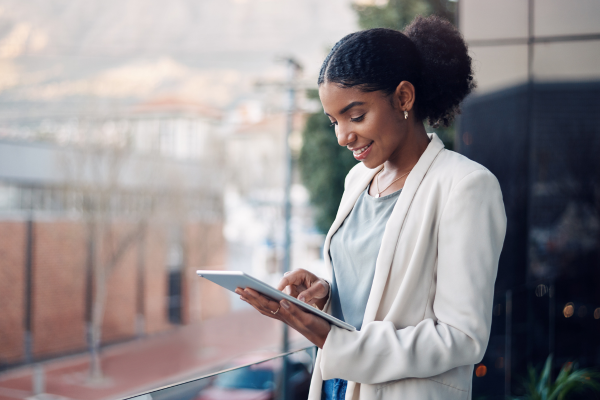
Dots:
{"x": 353, "y": 251}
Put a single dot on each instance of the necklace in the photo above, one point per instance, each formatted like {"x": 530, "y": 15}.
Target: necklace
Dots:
{"x": 377, "y": 182}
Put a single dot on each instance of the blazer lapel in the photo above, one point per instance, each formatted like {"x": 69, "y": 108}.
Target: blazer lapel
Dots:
{"x": 394, "y": 226}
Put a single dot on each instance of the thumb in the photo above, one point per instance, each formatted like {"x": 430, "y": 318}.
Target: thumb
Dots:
{"x": 314, "y": 293}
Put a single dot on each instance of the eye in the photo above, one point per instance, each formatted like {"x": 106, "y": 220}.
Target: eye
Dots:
{"x": 333, "y": 123}
{"x": 358, "y": 119}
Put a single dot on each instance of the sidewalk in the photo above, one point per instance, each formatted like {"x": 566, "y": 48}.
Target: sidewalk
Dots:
{"x": 148, "y": 363}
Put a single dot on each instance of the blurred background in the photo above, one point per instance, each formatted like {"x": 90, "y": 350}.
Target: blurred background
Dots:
{"x": 143, "y": 140}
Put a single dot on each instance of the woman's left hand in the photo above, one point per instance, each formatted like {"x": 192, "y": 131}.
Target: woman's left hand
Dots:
{"x": 312, "y": 327}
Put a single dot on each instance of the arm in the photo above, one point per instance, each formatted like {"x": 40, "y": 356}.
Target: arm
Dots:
{"x": 470, "y": 238}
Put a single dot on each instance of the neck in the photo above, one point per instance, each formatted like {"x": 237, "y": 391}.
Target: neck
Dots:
{"x": 409, "y": 151}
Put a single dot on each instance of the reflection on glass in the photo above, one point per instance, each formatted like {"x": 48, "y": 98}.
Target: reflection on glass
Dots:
{"x": 261, "y": 378}
{"x": 127, "y": 167}
{"x": 569, "y": 310}
{"x": 480, "y": 371}
{"x": 500, "y": 362}
{"x": 247, "y": 378}
{"x": 541, "y": 290}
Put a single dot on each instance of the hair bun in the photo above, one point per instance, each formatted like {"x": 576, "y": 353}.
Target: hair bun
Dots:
{"x": 447, "y": 75}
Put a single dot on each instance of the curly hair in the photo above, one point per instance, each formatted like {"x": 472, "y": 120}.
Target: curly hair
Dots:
{"x": 430, "y": 53}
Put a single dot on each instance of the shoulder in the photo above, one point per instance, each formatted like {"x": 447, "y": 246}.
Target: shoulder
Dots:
{"x": 467, "y": 188}
{"x": 454, "y": 168}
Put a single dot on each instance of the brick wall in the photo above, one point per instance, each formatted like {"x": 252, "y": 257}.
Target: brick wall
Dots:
{"x": 155, "y": 281}
{"x": 59, "y": 265}
{"x": 120, "y": 310}
{"x": 205, "y": 249}
{"x": 12, "y": 290}
{"x": 59, "y": 286}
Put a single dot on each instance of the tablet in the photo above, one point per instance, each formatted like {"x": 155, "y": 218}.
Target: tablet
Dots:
{"x": 236, "y": 279}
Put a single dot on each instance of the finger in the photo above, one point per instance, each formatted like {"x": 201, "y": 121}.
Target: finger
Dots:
{"x": 314, "y": 293}
{"x": 252, "y": 302}
{"x": 240, "y": 291}
{"x": 262, "y": 301}
{"x": 283, "y": 283}
{"x": 269, "y": 314}
{"x": 312, "y": 327}
{"x": 287, "y": 313}
{"x": 291, "y": 278}
{"x": 253, "y": 298}
{"x": 293, "y": 291}
{"x": 258, "y": 306}
{"x": 295, "y": 317}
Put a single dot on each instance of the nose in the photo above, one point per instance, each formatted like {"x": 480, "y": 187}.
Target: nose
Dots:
{"x": 344, "y": 135}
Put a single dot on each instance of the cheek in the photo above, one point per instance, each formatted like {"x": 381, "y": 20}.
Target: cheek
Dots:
{"x": 388, "y": 140}
{"x": 374, "y": 129}
{"x": 384, "y": 133}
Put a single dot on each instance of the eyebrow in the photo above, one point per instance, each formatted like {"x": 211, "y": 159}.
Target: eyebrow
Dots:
{"x": 349, "y": 106}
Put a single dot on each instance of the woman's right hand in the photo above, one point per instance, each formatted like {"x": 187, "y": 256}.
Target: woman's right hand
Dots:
{"x": 306, "y": 287}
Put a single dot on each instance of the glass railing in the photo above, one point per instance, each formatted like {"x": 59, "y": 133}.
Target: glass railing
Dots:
{"x": 258, "y": 375}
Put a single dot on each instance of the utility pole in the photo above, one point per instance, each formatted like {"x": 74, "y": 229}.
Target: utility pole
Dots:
{"x": 29, "y": 238}
{"x": 293, "y": 68}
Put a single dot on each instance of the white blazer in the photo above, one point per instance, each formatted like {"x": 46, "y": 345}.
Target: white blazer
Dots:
{"x": 429, "y": 312}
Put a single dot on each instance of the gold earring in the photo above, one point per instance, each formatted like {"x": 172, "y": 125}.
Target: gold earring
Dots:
{"x": 405, "y": 114}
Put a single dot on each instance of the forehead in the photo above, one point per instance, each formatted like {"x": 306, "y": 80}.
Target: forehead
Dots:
{"x": 334, "y": 97}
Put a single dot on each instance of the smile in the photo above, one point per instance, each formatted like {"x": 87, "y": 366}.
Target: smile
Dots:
{"x": 361, "y": 153}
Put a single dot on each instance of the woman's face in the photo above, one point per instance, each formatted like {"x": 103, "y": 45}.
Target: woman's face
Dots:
{"x": 365, "y": 122}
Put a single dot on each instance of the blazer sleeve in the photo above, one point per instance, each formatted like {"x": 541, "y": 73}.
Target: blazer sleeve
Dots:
{"x": 470, "y": 237}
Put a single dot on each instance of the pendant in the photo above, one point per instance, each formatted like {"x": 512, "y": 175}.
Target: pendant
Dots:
{"x": 377, "y": 196}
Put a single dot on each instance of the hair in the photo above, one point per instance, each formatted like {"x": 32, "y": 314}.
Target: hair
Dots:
{"x": 430, "y": 53}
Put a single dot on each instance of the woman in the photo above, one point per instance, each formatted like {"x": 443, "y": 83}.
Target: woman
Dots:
{"x": 412, "y": 255}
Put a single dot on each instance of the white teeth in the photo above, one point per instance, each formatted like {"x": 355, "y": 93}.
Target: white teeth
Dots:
{"x": 359, "y": 151}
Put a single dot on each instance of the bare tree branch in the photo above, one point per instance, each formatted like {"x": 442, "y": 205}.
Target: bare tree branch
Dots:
{"x": 125, "y": 244}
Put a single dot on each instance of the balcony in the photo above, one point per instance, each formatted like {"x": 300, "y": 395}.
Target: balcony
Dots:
{"x": 259, "y": 375}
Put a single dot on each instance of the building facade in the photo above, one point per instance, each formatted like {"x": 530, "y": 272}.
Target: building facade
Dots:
{"x": 155, "y": 154}
{"x": 534, "y": 122}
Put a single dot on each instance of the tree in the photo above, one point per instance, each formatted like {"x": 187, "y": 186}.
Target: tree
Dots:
{"x": 115, "y": 217}
{"x": 397, "y": 14}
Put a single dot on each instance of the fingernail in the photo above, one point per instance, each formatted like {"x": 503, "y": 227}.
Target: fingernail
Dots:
{"x": 289, "y": 272}
{"x": 285, "y": 304}
{"x": 301, "y": 298}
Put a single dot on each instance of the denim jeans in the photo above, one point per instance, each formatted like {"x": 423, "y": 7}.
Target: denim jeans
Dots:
{"x": 334, "y": 389}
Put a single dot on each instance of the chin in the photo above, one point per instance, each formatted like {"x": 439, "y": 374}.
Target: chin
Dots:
{"x": 371, "y": 164}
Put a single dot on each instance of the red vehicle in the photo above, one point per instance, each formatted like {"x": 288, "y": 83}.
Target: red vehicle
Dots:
{"x": 258, "y": 381}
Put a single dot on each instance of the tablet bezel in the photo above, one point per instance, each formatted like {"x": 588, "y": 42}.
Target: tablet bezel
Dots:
{"x": 231, "y": 280}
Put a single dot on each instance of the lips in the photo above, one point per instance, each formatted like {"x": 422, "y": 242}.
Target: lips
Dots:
{"x": 363, "y": 152}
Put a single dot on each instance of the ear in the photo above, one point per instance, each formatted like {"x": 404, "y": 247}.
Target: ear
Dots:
{"x": 405, "y": 96}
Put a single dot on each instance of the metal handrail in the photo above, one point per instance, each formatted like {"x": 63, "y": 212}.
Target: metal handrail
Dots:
{"x": 217, "y": 373}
